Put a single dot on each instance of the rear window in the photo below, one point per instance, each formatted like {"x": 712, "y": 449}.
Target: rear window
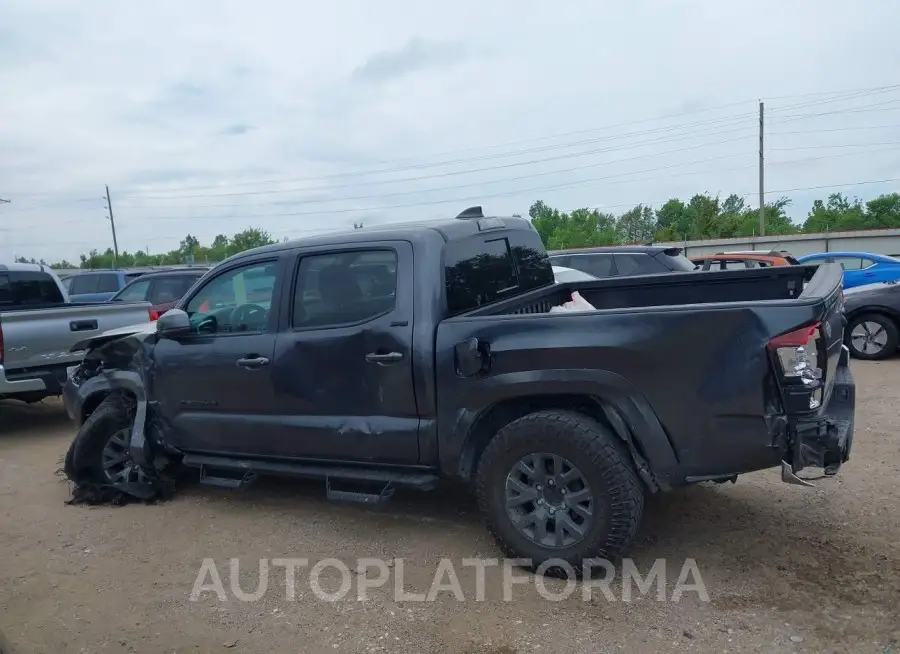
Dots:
{"x": 490, "y": 267}
{"x": 676, "y": 260}
{"x": 26, "y": 288}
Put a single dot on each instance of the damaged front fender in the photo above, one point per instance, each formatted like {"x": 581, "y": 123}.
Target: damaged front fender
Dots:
{"x": 110, "y": 388}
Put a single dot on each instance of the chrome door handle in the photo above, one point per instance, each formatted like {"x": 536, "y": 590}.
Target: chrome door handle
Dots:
{"x": 255, "y": 362}
{"x": 386, "y": 357}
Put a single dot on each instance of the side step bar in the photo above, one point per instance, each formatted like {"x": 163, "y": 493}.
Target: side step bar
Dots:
{"x": 227, "y": 472}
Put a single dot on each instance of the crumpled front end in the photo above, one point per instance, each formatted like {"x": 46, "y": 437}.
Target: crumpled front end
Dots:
{"x": 110, "y": 385}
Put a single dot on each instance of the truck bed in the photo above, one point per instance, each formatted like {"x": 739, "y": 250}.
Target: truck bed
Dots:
{"x": 687, "y": 350}
{"x": 729, "y": 286}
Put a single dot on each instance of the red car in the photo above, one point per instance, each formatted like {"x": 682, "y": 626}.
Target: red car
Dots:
{"x": 162, "y": 289}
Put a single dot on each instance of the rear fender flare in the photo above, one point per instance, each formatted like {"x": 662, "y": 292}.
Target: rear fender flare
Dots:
{"x": 625, "y": 408}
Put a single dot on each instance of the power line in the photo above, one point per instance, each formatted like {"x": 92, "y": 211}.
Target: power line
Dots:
{"x": 616, "y": 179}
{"x": 837, "y": 97}
{"x": 629, "y": 204}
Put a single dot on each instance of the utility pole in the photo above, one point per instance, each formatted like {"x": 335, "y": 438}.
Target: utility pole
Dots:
{"x": 112, "y": 223}
{"x": 762, "y": 184}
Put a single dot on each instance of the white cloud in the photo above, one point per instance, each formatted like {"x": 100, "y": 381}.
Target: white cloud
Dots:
{"x": 277, "y": 107}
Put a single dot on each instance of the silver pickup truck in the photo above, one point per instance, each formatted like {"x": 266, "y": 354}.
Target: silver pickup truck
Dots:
{"x": 38, "y": 327}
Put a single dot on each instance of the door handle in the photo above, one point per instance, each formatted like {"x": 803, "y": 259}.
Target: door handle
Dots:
{"x": 254, "y": 362}
{"x": 386, "y": 357}
{"x": 82, "y": 325}
{"x": 869, "y": 274}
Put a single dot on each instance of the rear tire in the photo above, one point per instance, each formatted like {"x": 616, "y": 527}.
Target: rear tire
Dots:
{"x": 582, "y": 499}
{"x": 872, "y": 337}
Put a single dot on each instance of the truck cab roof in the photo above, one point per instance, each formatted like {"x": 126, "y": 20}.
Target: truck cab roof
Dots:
{"x": 468, "y": 223}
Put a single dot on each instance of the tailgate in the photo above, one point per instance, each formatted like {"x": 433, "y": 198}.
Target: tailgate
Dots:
{"x": 40, "y": 338}
{"x": 826, "y": 285}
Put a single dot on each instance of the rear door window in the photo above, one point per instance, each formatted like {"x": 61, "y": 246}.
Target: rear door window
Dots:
{"x": 137, "y": 292}
{"x": 82, "y": 284}
{"x": 598, "y": 265}
{"x": 344, "y": 288}
{"x": 169, "y": 289}
{"x": 638, "y": 264}
{"x": 849, "y": 263}
{"x": 108, "y": 283}
{"x": 488, "y": 267}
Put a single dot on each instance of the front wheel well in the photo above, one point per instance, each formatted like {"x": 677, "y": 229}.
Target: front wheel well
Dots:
{"x": 93, "y": 401}
{"x": 492, "y": 420}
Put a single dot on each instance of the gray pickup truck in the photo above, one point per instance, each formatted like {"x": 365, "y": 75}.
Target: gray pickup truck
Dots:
{"x": 38, "y": 328}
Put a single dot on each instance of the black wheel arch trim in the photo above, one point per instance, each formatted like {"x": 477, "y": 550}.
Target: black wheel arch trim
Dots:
{"x": 625, "y": 408}
{"x": 133, "y": 384}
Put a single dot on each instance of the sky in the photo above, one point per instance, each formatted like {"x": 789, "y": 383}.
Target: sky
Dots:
{"x": 211, "y": 116}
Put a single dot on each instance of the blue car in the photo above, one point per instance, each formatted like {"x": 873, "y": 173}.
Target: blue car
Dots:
{"x": 860, "y": 268}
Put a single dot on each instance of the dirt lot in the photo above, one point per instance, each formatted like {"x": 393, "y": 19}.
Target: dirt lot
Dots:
{"x": 787, "y": 569}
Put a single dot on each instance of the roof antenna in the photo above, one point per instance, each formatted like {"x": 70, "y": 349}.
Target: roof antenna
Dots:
{"x": 471, "y": 212}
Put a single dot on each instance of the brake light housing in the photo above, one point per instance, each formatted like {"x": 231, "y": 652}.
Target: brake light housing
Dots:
{"x": 154, "y": 315}
{"x": 799, "y": 357}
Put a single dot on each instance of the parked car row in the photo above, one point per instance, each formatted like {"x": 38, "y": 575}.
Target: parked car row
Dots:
{"x": 873, "y": 314}
{"x": 102, "y": 285}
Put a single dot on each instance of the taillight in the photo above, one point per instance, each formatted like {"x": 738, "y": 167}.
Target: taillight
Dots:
{"x": 154, "y": 315}
{"x": 798, "y": 354}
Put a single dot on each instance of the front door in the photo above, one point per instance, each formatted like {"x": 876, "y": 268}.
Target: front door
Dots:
{"x": 343, "y": 371}
{"x": 214, "y": 386}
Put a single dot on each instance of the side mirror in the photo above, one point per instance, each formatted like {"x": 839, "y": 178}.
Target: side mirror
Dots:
{"x": 173, "y": 323}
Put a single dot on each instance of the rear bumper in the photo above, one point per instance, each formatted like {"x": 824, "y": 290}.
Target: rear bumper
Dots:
{"x": 14, "y": 386}
{"x": 33, "y": 382}
{"x": 825, "y": 440}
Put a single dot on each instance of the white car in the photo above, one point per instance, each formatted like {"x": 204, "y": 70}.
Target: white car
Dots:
{"x": 563, "y": 274}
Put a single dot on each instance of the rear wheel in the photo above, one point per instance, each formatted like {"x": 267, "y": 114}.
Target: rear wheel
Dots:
{"x": 872, "y": 336}
{"x": 557, "y": 488}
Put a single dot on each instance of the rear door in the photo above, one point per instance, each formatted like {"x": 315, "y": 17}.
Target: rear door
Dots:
{"x": 343, "y": 371}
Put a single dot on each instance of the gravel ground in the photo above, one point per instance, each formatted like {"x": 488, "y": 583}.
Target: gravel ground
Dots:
{"x": 786, "y": 569}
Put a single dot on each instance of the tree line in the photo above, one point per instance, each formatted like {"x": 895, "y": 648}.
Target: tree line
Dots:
{"x": 704, "y": 216}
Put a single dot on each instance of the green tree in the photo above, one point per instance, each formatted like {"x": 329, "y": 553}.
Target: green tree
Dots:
{"x": 248, "y": 239}
{"x": 637, "y": 225}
